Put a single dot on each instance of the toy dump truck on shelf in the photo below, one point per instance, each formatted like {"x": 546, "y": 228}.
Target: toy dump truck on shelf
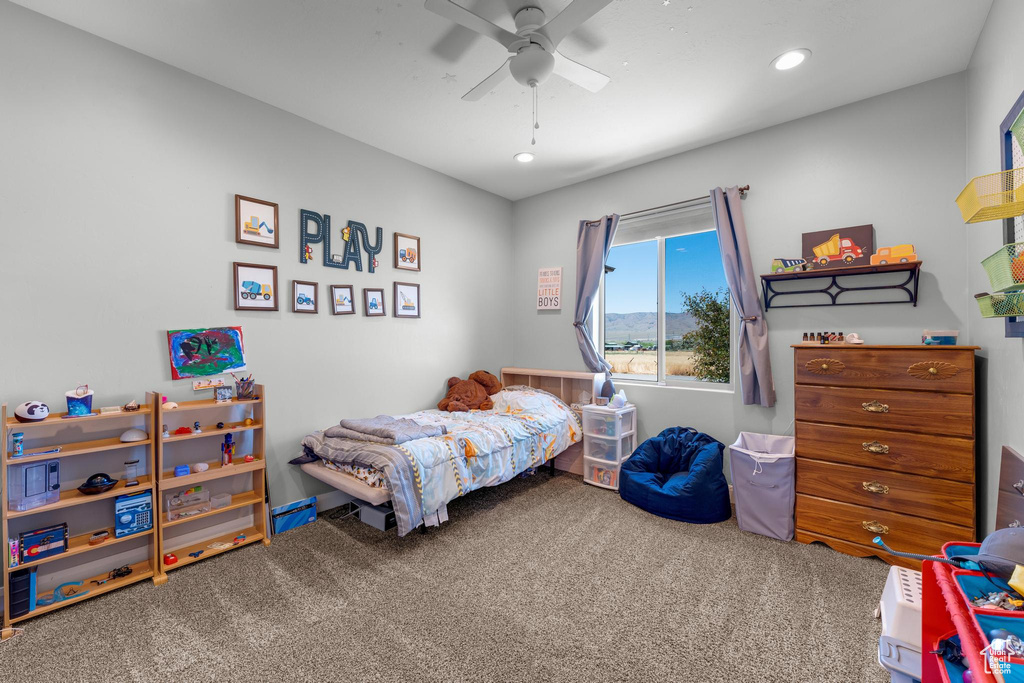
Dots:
{"x": 789, "y": 265}
{"x": 837, "y": 249}
{"x": 254, "y": 290}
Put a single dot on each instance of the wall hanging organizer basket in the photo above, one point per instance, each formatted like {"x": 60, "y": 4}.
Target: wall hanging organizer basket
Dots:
{"x": 1005, "y": 268}
{"x": 994, "y": 196}
{"x": 1001, "y": 304}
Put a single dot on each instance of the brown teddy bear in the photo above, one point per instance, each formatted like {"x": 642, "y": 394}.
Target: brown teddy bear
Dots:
{"x": 472, "y": 393}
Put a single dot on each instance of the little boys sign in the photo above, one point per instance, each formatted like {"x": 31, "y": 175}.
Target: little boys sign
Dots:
{"x": 549, "y": 289}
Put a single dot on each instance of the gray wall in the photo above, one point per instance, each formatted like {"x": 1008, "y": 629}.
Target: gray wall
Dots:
{"x": 995, "y": 78}
{"x": 895, "y": 161}
{"x": 117, "y": 219}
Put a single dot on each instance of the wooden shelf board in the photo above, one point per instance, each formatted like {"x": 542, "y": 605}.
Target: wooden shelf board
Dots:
{"x": 239, "y": 500}
{"x": 140, "y": 571}
{"x": 58, "y": 418}
{"x": 80, "y": 544}
{"x": 252, "y": 535}
{"x": 205, "y": 403}
{"x": 216, "y": 471}
{"x": 78, "y": 448}
{"x": 212, "y": 430}
{"x": 71, "y": 497}
{"x": 846, "y": 270}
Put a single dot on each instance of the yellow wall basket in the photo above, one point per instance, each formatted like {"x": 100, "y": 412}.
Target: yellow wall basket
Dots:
{"x": 993, "y": 196}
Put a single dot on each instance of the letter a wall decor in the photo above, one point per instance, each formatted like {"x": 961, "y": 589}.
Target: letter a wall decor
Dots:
{"x": 352, "y": 235}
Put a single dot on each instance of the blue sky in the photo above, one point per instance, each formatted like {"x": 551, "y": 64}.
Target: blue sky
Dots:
{"x": 691, "y": 261}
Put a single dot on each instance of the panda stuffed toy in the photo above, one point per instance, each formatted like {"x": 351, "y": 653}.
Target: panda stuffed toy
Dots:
{"x": 31, "y": 411}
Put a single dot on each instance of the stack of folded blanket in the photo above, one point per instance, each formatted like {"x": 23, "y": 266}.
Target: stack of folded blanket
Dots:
{"x": 383, "y": 429}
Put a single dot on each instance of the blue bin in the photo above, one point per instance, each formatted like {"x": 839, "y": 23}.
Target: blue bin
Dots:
{"x": 976, "y": 585}
{"x": 1013, "y": 672}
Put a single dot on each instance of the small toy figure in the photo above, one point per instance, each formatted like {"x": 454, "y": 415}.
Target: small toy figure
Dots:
{"x": 166, "y": 433}
{"x": 227, "y": 451}
{"x": 196, "y": 428}
{"x": 220, "y": 425}
{"x": 170, "y": 558}
{"x": 239, "y": 538}
{"x": 248, "y": 421}
{"x": 196, "y": 554}
{"x": 130, "y": 406}
{"x": 248, "y": 458}
{"x": 182, "y": 430}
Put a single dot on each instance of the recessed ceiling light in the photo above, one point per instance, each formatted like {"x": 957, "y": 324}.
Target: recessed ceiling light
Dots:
{"x": 787, "y": 60}
{"x": 524, "y": 157}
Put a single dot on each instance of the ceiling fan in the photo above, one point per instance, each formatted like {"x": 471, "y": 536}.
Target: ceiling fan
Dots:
{"x": 534, "y": 45}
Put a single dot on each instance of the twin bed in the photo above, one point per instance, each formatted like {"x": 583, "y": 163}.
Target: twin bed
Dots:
{"x": 531, "y": 423}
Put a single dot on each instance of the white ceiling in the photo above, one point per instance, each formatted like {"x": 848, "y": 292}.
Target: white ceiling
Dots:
{"x": 684, "y": 72}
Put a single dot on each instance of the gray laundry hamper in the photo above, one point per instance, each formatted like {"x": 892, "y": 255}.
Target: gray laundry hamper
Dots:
{"x": 763, "y": 470}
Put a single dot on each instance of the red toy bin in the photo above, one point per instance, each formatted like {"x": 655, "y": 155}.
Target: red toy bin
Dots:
{"x": 971, "y": 584}
{"x": 949, "y": 672}
{"x": 1012, "y": 670}
{"x": 954, "y": 548}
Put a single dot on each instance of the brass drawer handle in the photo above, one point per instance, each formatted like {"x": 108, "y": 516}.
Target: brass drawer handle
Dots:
{"x": 879, "y": 447}
{"x": 1019, "y": 486}
{"x": 875, "y": 487}
{"x": 875, "y": 527}
{"x": 875, "y": 407}
{"x": 1014, "y": 524}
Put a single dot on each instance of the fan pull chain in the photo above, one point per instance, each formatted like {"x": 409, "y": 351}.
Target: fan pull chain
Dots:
{"x": 536, "y": 123}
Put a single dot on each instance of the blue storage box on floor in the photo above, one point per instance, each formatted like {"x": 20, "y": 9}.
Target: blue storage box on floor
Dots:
{"x": 678, "y": 475}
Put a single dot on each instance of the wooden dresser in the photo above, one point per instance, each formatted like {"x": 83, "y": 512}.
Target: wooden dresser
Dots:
{"x": 885, "y": 447}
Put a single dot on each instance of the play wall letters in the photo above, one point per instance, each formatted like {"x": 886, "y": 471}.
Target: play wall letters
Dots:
{"x": 352, "y": 235}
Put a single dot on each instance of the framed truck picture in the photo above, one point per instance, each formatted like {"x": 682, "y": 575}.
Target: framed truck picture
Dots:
{"x": 839, "y": 248}
{"x": 255, "y": 287}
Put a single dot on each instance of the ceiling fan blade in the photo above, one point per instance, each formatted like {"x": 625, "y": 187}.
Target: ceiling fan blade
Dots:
{"x": 583, "y": 76}
{"x": 570, "y": 19}
{"x": 462, "y": 16}
{"x": 487, "y": 85}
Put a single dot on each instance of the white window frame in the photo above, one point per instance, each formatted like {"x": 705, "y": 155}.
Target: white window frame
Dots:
{"x": 663, "y": 380}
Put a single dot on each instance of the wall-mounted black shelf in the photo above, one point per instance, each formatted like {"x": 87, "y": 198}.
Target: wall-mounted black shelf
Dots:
{"x": 834, "y": 289}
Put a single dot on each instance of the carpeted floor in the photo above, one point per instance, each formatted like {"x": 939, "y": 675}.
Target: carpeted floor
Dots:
{"x": 541, "y": 579}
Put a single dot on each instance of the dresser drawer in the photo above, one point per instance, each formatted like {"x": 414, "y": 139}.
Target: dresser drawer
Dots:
{"x": 924, "y": 369}
{"x": 1010, "y": 510}
{"x": 946, "y": 457}
{"x": 901, "y": 532}
{"x": 915, "y": 411}
{"x": 946, "y": 501}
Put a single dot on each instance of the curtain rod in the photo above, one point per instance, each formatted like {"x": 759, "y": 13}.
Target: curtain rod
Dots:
{"x": 743, "y": 193}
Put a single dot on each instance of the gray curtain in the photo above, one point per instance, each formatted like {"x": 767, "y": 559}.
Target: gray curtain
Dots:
{"x": 593, "y": 243}
{"x": 755, "y": 364}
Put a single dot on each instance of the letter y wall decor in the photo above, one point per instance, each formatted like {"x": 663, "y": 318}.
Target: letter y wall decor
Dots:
{"x": 316, "y": 229}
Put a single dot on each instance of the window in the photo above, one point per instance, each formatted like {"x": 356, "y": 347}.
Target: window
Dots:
{"x": 664, "y": 307}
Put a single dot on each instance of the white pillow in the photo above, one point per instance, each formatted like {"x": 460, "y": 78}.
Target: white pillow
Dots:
{"x": 506, "y": 400}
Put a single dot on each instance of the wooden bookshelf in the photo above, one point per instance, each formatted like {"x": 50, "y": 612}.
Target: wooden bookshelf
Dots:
{"x": 194, "y": 448}
{"x": 14, "y": 522}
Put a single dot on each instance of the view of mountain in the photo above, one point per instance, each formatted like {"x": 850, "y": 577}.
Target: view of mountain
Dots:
{"x": 619, "y": 327}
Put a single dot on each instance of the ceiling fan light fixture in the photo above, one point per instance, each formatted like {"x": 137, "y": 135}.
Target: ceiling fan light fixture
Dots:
{"x": 524, "y": 157}
{"x": 790, "y": 59}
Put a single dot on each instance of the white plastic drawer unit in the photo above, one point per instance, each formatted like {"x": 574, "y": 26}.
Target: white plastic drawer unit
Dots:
{"x": 609, "y": 422}
{"x": 609, "y": 449}
{"x": 601, "y": 473}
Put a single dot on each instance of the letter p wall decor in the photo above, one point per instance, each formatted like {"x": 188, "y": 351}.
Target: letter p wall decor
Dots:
{"x": 352, "y": 234}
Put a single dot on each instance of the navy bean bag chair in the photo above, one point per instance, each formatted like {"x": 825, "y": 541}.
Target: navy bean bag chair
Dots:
{"x": 678, "y": 475}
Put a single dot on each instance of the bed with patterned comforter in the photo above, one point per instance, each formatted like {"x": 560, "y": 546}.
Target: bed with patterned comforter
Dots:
{"x": 526, "y": 428}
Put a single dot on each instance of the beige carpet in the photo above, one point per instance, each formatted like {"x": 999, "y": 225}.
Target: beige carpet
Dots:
{"x": 541, "y": 579}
